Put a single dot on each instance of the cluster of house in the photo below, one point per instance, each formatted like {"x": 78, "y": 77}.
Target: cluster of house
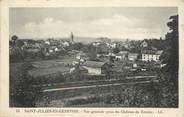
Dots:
{"x": 147, "y": 54}
{"x": 87, "y": 66}
{"x": 47, "y": 47}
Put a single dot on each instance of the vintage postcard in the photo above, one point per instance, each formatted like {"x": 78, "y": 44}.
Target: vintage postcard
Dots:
{"x": 91, "y": 58}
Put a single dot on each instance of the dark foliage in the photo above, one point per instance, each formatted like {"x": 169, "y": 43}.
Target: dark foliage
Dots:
{"x": 22, "y": 94}
{"x": 170, "y": 55}
{"x": 169, "y": 75}
{"x": 116, "y": 50}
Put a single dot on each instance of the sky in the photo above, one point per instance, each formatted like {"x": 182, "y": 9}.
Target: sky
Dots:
{"x": 112, "y": 22}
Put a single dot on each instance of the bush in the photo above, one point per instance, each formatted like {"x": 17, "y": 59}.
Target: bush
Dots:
{"x": 22, "y": 94}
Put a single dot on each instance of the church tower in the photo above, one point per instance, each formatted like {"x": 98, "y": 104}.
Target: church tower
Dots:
{"x": 72, "y": 37}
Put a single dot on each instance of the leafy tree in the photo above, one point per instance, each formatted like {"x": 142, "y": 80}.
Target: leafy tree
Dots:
{"x": 156, "y": 43}
{"x": 169, "y": 75}
{"x": 124, "y": 49}
{"x": 116, "y": 50}
{"x": 77, "y": 46}
{"x": 19, "y": 43}
{"x": 170, "y": 55}
{"x": 92, "y": 55}
{"x": 92, "y": 52}
{"x": 14, "y": 38}
{"x": 17, "y": 53}
{"x": 134, "y": 46}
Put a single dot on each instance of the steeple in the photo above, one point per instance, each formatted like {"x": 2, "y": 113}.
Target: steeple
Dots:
{"x": 72, "y": 37}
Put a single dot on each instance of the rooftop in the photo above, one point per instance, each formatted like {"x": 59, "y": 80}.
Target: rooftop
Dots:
{"x": 96, "y": 64}
{"x": 122, "y": 53}
{"x": 159, "y": 52}
{"x": 133, "y": 54}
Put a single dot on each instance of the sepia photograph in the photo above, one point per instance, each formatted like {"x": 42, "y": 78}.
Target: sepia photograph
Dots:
{"x": 100, "y": 57}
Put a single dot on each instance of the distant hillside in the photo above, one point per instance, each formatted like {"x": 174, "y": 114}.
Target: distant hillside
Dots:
{"x": 84, "y": 40}
{"x": 92, "y": 39}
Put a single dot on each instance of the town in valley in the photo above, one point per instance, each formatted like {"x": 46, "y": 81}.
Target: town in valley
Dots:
{"x": 97, "y": 72}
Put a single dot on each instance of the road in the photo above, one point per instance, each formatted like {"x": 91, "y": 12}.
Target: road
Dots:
{"x": 101, "y": 83}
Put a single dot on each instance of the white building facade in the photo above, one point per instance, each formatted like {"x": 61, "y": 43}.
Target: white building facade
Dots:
{"x": 151, "y": 56}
